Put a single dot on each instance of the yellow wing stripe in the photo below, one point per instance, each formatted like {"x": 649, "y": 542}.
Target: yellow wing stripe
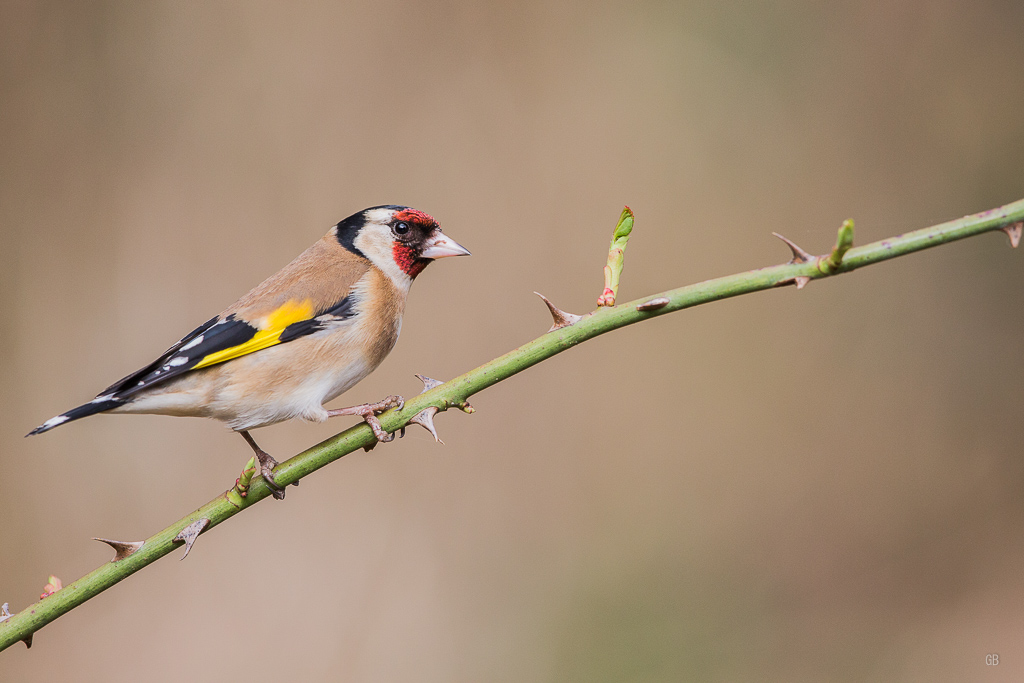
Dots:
{"x": 268, "y": 335}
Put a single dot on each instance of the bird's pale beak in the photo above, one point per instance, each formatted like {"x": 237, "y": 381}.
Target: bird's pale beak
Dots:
{"x": 439, "y": 245}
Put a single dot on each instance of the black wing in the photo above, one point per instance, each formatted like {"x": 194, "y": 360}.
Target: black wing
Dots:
{"x": 219, "y": 340}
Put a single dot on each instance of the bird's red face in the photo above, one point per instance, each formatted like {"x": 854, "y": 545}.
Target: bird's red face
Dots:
{"x": 397, "y": 239}
{"x": 412, "y": 228}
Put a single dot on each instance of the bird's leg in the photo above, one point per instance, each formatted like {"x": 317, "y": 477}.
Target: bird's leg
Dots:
{"x": 369, "y": 412}
{"x": 267, "y": 464}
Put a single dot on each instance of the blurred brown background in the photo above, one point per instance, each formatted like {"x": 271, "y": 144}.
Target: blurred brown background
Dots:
{"x": 792, "y": 486}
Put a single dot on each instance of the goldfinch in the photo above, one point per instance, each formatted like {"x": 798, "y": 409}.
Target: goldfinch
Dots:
{"x": 299, "y": 339}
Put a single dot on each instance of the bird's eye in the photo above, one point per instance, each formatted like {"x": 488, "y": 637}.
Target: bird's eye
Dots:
{"x": 401, "y": 228}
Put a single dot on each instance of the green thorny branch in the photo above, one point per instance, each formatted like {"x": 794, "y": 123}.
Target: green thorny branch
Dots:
{"x": 567, "y": 331}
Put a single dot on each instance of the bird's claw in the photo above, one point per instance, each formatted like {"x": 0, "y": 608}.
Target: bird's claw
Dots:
{"x": 369, "y": 413}
{"x": 267, "y": 465}
{"x": 378, "y": 430}
{"x": 396, "y": 402}
{"x": 267, "y": 470}
{"x": 393, "y": 401}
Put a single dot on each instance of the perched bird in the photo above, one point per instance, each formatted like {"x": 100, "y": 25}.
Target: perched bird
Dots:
{"x": 300, "y": 338}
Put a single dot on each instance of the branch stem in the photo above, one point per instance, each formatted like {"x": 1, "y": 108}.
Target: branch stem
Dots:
{"x": 455, "y": 392}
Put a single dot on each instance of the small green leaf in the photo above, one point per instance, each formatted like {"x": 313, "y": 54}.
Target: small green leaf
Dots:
{"x": 844, "y": 241}
{"x": 625, "y": 225}
{"x": 613, "y": 269}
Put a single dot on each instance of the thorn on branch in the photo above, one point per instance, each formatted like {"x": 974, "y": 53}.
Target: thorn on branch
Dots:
{"x": 653, "y": 304}
{"x": 122, "y": 549}
{"x": 189, "y": 534}
{"x": 613, "y": 269}
{"x": 560, "y": 317}
{"x": 425, "y": 419}
{"x": 799, "y": 255}
{"x": 5, "y": 614}
{"x": 799, "y": 280}
{"x": 1013, "y": 231}
{"x": 428, "y": 383}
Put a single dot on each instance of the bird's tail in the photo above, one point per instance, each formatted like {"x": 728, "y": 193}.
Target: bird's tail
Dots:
{"x": 97, "y": 405}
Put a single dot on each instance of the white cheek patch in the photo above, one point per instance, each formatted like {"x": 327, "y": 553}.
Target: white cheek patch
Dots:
{"x": 376, "y": 242}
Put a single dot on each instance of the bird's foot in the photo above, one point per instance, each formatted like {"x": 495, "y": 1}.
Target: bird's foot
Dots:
{"x": 369, "y": 412}
{"x": 267, "y": 465}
